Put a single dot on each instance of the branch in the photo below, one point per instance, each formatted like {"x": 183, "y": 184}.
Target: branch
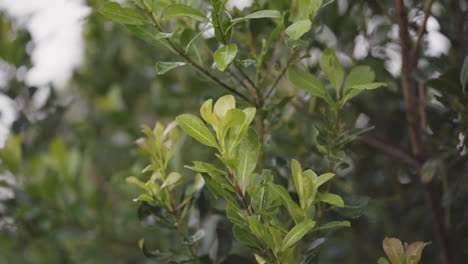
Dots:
{"x": 280, "y": 76}
{"x": 421, "y": 31}
{"x": 391, "y": 150}
{"x": 199, "y": 67}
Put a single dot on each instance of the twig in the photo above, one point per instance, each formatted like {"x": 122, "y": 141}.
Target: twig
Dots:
{"x": 391, "y": 150}
{"x": 421, "y": 31}
{"x": 280, "y": 76}
{"x": 199, "y": 67}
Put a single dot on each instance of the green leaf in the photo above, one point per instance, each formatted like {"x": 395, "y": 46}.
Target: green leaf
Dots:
{"x": 259, "y": 14}
{"x": 307, "y": 9}
{"x": 323, "y": 179}
{"x": 134, "y": 180}
{"x": 260, "y": 260}
{"x": 464, "y": 75}
{"x": 297, "y": 233}
{"x": 245, "y": 237}
{"x": 148, "y": 33}
{"x": 414, "y": 252}
{"x": 296, "y": 30}
{"x": 237, "y": 133}
{"x": 217, "y": 175}
{"x": 223, "y": 105}
{"x": 115, "y": 12}
{"x": 217, "y": 190}
{"x": 293, "y": 209}
{"x": 195, "y": 127}
{"x": 359, "y": 75}
{"x": 235, "y": 215}
{"x": 144, "y": 197}
{"x": 206, "y": 112}
{"x": 332, "y": 68}
{"x": 394, "y": 250}
{"x": 330, "y": 198}
{"x": 306, "y": 81}
{"x": 333, "y": 224}
{"x": 246, "y": 63}
{"x": 11, "y": 153}
{"x": 247, "y": 154}
{"x": 382, "y": 260}
{"x": 179, "y": 10}
{"x": 234, "y": 117}
{"x": 225, "y": 56}
{"x": 163, "y": 67}
{"x": 368, "y": 86}
{"x": 298, "y": 179}
{"x": 259, "y": 230}
{"x": 172, "y": 178}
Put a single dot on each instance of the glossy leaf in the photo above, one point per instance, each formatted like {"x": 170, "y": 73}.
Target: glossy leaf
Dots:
{"x": 334, "y": 224}
{"x": 193, "y": 126}
{"x": 179, "y": 10}
{"x": 359, "y": 75}
{"x": 238, "y": 133}
{"x": 115, "y": 12}
{"x": 172, "y": 178}
{"x": 224, "y": 56}
{"x": 296, "y": 30}
{"x": 245, "y": 237}
{"x": 414, "y": 252}
{"x": 307, "y": 9}
{"x": 306, "y": 81}
{"x": 330, "y": 198}
{"x": 223, "y": 105}
{"x": 297, "y": 233}
{"x": 163, "y": 67}
{"x": 293, "y": 209}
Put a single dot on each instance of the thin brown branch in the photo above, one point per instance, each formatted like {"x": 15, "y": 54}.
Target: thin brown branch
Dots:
{"x": 391, "y": 150}
{"x": 280, "y": 76}
{"x": 421, "y": 32}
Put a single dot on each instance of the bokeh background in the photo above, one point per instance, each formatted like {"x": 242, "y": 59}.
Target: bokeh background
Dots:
{"x": 75, "y": 89}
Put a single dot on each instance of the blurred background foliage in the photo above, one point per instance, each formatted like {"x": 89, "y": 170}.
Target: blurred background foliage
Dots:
{"x": 62, "y": 177}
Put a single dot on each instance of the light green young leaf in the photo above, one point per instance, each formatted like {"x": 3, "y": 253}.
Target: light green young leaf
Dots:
{"x": 307, "y": 9}
{"x": 414, "y": 252}
{"x": 245, "y": 237}
{"x": 223, "y": 105}
{"x": 134, "y": 180}
{"x": 306, "y": 81}
{"x": 259, "y": 14}
{"x": 333, "y": 224}
{"x": 260, "y": 260}
{"x": 115, "y": 12}
{"x": 172, "y": 178}
{"x": 330, "y": 198}
{"x": 323, "y": 179}
{"x": 382, "y": 260}
{"x": 297, "y": 233}
{"x": 298, "y": 179}
{"x": 225, "y": 56}
{"x": 394, "y": 250}
{"x": 148, "y": 33}
{"x": 206, "y": 111}
{"x": 234, "y": 117}
{"x": 144, "y": 197}
{"x": 247, "y": 154}
{"x": 237, "y": 133}
{"x": 368, "y": 86}
{"x": 163, "y": 67}
{"x": 215, "y": 174}
{"x": 330, "y": 64}
{"x": 195, "y": 127}
{"x": 293, "y": 209}
{"x": 196, "y": 186}
{"x": 179, "y": 10}
{"x": 296, "y": 30}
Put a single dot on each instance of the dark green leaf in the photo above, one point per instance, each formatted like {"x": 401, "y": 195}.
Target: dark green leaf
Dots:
{"x": 245, "y": 237}
{"x": 149, "y": 33}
